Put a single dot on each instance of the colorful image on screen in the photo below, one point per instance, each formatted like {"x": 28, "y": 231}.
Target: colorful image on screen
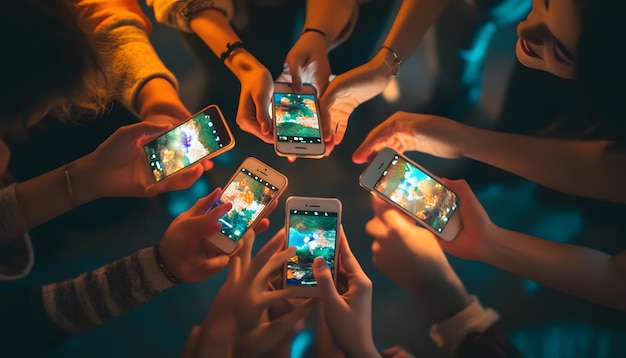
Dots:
{"x": 249, "y": 194}
{"x": 314, "y": 234}
{"x": 182, "y": 146}
{"x": 296, "y": 118}
{"x": 417, "y": 192}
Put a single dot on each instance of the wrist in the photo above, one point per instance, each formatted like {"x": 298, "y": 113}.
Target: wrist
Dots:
{"x": 442, "y": 295}
{"x": 163, "y": 267}
{"x": 80, "y": 188}
{"x": 242, "y": 62}
{"x": 159, "y": 97}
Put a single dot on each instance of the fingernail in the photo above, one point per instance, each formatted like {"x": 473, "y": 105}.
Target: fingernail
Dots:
{"x": 320, "y": 263}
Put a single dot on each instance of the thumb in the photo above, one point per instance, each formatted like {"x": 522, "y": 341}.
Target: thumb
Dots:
{"x": 324, "y": 279}
{"x": 296, "y": 78}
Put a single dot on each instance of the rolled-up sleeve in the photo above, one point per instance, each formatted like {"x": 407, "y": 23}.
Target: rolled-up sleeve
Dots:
{"x": 121, "y": 29}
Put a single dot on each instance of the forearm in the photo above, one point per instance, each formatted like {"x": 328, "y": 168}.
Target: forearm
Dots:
{"x": 578, "y": 271}
{"x": 584, "y": 168}
{"x": 442, "y": 297}
{"x": 89, "y": 300}
{"x": 158, "y": 96}
{"x": 413, "y": 20}
{"x": 213, "y": 28}
{"x": 335, "y": 18}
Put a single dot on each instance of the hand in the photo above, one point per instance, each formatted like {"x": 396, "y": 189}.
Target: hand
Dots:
{"x": 242, "y": 304}
{"x": 346, "y": 92}
{"x": 307, "y": 61}
{"x": 257, "y": 88}
{"x": 184, "y": 248}
{"x": 349, "y": 315}
{"x": 405, "y": 131}
{"x": 479, "y": 233}
{"x": 411, "y": 256}
{"x": 408, "y": 254}
{"x": 396, "y": 352}
{"x": 119, "y": 167}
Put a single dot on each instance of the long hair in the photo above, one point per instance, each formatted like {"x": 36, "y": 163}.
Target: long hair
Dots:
{"x": 48, "y": 62}
{"x": 600, "y": 87}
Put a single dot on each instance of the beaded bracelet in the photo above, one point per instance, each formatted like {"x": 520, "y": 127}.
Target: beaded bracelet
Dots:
{"x": 159, "y": 260}
{"x": 229, "y": 49}
{"x": 310, "y": 29}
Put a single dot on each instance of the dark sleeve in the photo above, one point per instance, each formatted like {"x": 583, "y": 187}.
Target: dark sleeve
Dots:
{"x": 490, "y": 343}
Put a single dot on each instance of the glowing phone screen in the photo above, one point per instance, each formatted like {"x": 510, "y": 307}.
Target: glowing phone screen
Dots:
{"x": 249, "y": 195}
{"x": 314, "y": 234}
{"x": 296, "y": 118}
{"x": 186, "y": 143}
{"x": 417, "y": 192}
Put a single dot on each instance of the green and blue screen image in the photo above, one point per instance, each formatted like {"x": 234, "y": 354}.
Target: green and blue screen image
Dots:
{"x": 249, "y": 195}
{"x": 184, "y": 145}
{"x": 296, "y": 118}
{"x": 314, "y": 234}
{"x": 417, "y": 192}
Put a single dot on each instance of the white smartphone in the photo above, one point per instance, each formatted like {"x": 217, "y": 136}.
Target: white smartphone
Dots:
{"x": 312, "y": 226}
{"x": 251, "y": 190}
{"x": 408, "y": 186}
{"x": 297, "y": 123}
{"x": 204, "y": 135}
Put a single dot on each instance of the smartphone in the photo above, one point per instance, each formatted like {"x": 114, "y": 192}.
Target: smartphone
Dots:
{"x": 312, "y": 226}
{"x": 408, "y": 186}
{"x": 297, "y": 124}
{"x": 251, "y": 190}
{"x": 204, "y": 135}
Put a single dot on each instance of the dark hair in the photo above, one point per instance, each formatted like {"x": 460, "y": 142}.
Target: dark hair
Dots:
{"x": 46, "y": 57}
{"x": 601, "y": 69}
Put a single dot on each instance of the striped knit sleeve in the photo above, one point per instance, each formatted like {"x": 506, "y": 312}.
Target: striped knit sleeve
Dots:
{"x": 90, "y": 299}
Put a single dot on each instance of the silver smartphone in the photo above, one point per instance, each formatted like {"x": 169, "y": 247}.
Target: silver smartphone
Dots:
{"x": 417, "y": 192}
{"x": 297, "y": 123}
{"x": 312, "y": 226}
{"x": 204, "y": 135}
{"x": 251, "y": 190}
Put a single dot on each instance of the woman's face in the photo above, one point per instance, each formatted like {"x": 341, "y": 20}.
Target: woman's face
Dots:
{"x": 548, "y": 37}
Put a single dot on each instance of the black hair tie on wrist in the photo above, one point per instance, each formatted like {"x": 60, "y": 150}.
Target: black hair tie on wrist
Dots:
{"x": 229, "y": 49}
{"x": 310, "y": 29}
{"x": 166, "y": 272}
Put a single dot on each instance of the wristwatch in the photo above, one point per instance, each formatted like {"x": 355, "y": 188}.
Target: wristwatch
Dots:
{"x": 395, "y": 64}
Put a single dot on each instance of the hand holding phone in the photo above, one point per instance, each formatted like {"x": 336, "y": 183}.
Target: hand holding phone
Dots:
{"x": 312, "y": 227}
{"x": 297, "y": 123}
{"x": 204, "y": 135}
{"x": 252, "y": 190}
{"x": 411, "y": 188}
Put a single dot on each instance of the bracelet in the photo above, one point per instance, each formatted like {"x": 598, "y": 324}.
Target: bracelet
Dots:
{"x": 159, "y": 260}
{"x": 229, "y": 49}
{"x": 310, "y": 29}
{"x": 395, "y": 65}
{"x": 68, "y": 185}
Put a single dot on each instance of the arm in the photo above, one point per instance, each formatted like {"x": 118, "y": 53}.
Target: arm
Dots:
{"x": 586, "y": 168}
{"x": 592, "y": 169}
{"x": 350, "y": 89}
{"x": 47, "y": 315}
{"x": 327, "y": 24}
{"x": 559, "y": 266}
{"x": 39, "y": 319}
{"x": 117, "y": 168}
{"x": 135, "y": 75}
{"x": 578, "y": 271}
{"x": 412, "y": 257}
